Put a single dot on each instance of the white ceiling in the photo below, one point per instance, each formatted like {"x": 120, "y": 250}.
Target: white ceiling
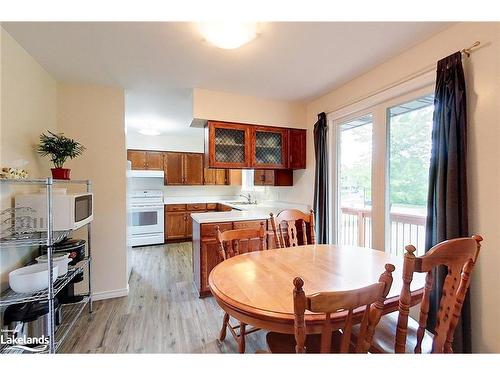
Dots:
{"x": 158, "y": 63}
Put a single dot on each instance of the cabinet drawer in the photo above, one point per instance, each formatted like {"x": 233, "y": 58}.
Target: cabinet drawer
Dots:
{"x": 254, "y": 224}
{"x": 210, "y": 230}
{"x": 196, "y": 207}
{"x": 176, "y": 207}
{"x": 211, "y": 206}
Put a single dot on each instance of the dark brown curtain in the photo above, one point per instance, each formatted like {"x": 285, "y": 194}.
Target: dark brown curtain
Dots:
{"x": 321, "y": 179}
{"x": 447, "y": 199}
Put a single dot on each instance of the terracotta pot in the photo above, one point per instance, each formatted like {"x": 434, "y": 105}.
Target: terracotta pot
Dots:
{"x": 60, "y": 173}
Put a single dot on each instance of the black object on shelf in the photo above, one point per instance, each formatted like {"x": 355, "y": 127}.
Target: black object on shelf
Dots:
{"x": 76, "y": 250}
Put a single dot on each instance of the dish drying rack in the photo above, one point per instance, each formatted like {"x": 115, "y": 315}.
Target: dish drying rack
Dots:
{"x": 21, "y": 237}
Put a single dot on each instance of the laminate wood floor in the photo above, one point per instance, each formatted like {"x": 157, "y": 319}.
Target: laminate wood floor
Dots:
{"x": 162, "y": 313}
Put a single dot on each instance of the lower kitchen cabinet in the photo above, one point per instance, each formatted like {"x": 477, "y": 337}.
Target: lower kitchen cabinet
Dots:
{"x": 206, "y": 248}
{"x": 178, "y": 221}
{"x": 175, "y": 223}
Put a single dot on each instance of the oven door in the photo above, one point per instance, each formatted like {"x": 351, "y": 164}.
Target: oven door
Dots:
{"x": 147, "y": 219}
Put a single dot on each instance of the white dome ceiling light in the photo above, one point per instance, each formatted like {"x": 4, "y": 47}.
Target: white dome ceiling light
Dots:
{"x": 148, "y": 131}
{"x": 229, "y": 35}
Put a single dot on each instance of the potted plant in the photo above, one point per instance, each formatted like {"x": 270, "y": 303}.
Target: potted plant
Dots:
{"x": 59, "y": 148}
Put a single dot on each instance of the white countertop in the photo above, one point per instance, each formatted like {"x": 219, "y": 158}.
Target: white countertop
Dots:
{"x": 244, "y": 212}
{"x": 227, "y": 216}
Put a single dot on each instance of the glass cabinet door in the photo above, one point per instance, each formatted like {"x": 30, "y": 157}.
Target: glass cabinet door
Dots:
{"x": 270, "y": 147}
{"x": 228, "y": 145}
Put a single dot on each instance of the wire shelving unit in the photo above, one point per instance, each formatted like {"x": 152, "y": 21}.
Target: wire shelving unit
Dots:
{"x": 71, "y": 312}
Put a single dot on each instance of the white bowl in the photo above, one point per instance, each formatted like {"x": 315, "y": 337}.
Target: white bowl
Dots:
{"x": 32, "y": 278}
{"x": 61, "y": 259}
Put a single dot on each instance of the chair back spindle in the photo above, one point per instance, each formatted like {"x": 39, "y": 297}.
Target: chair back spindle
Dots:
{"x": 285, "y": 228}
{"x": 230, "y": 241}
{"x": 370, "y": 298}
{"x": 459, "y": 257}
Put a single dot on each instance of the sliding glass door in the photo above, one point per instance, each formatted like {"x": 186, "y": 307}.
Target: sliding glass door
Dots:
{"x": 380, "y": 163}
{"x": 355, "y": 182}
{"x": 410, "y": 128}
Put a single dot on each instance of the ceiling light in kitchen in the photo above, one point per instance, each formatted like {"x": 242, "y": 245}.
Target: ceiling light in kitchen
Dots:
{"x": 149, "y": 131}
{"x": 229, "y": 35}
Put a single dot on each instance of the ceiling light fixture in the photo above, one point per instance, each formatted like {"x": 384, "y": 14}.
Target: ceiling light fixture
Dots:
{"x": 149, "y": 131}
{"x": 229, "y": 35}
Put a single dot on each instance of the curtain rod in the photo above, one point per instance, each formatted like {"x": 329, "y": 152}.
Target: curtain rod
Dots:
{"x": 421, "y": 72}
{"x": 467, "y": 51}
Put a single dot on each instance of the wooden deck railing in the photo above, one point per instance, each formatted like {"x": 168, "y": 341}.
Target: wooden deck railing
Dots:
{"x": 406, "y": 228}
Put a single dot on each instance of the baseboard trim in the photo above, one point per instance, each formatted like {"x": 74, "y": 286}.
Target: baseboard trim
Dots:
{"x": 110, "y": 294}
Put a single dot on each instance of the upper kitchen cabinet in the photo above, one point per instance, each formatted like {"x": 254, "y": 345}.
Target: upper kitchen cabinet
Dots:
{"x": 183, "y": 169}
{"x": 269, "y": 147}
{"x": 193, "y": 169}
{"x": 297, "y": 148}
{"x": 213, "y": 176}
{"x": 149, "y": 160}
{"x": 173, "y": 167}
{"x": 228, "y": 145}
{"x": 240, "y": 146}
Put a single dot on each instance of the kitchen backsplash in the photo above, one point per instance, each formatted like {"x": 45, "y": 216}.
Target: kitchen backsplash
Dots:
{"x": 261, "y": 193}
{"x": 176, "y": 191}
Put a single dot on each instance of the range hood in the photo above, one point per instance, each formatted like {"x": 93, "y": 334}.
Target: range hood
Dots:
{"x": 147, "y": 174}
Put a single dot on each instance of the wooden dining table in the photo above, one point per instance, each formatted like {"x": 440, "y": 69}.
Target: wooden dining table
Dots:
{"x": 256, "y": 287}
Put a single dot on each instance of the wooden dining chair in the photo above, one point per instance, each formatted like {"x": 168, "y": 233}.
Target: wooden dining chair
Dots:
{"x": 398, "y": 332}
{"x": 371, "y": 298}
{"x": 231, "y": 243}
{"x": 285, "y": 229}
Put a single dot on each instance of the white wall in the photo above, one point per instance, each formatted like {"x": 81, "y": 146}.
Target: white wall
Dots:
{"x": 95, "y": 116}
{"x": 188, "y": 140}
{"x": 483, "y": 82}
{"x": 28, "y": 108}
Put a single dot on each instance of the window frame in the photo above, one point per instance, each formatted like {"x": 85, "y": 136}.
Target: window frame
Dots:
{"x": 377, "y": 105}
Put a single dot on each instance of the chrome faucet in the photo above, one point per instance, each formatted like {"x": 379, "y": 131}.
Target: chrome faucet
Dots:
{"x": 248, "y": 197}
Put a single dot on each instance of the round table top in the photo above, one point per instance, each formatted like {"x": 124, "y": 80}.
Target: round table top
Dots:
{"x": 260, "y": 282}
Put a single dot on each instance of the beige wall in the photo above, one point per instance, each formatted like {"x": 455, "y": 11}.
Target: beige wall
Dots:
{"x": 223, "y": 106}
{"x": 94, "y": 115}
{"x": 28, "y": 108}
{"x": 483, "y": 81}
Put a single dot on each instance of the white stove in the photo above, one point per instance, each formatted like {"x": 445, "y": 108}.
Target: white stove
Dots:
{"x": 147, "y": 227}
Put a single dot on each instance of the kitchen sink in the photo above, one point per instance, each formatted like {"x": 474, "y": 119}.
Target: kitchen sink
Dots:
{"x": 242, "y": 203}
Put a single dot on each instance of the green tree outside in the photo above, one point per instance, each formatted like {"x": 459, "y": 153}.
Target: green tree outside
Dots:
{"x": 409, "y": 158}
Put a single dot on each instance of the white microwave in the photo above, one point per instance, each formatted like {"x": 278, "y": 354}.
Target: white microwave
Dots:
{"x": 70, "y": 211}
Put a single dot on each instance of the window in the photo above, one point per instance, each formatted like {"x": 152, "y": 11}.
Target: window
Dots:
{"x": 380, "y": 159}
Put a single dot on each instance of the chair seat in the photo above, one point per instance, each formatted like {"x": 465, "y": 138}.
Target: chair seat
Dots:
{"x": 384, "y": 337}
{"x": 281, "y": 343}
